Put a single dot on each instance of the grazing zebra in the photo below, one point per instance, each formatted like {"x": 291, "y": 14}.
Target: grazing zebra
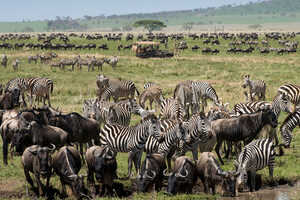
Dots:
{"x": 171, "y": 108}
{"x": 203, "y": 90}
{"x": 198, "y": 130}
{"x": 41, "y": 88}
{"x": 115, "y": 88}
{"x": 292, "y": 92}
{"x": 133, "y": 138}
{"x": 288, "y": 125}
{"x": 112, "y": 61}
{"x": 15, "y": 65}
{"x": 4, "y": 60}
{"x": 255, "y": 156}
{"x": 256, "y": 88}
{"x": 152, "y": 93}
{"x": 184, "y": 93}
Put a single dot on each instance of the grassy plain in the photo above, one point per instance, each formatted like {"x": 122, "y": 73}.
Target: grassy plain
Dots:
{"x": 223, "y": 71}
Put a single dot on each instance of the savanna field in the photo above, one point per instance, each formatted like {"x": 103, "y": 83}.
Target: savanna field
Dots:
{"x": 223, "y": 71}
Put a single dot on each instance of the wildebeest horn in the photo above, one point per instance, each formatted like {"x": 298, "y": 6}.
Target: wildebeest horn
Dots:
{"x": 181, "y": 175}
{"x": 53, "y": 147}
{"x": 166, "y": 173}
{"x": 150, "y": 177}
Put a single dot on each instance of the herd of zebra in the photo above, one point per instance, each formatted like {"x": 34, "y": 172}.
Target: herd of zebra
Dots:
{"x": 181, "y": 126}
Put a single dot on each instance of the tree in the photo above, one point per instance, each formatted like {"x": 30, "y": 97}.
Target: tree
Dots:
{"x": 150, "y": 24}
{"x": 188, "y": 26}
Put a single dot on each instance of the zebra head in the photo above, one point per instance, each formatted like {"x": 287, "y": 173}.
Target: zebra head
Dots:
{"x": 204, "y": 127}
{"x": 286, "y": 135}
{"x": 154, "y": 127}
{"x": 284, "y": 103}
{"x": 90, "y": 109}
{"x": 246, "y": 81}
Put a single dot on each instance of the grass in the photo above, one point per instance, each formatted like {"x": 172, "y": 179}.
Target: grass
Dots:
{"x": 223, "y": 71}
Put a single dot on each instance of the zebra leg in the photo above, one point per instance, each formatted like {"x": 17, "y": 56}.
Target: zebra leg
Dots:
{"x": 217, "y": 149}
{"x": 138, "y": 160}
{"x": 252, "y": 180}
{"x": 131, "y": 156}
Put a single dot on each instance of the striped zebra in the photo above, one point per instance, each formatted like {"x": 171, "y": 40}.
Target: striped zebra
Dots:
{"x": 203, "y": 91}
{"x": 130, "y": 138}
{"x": 292, "y": 92}
{"x": 288, "y": 125}
{"x": 152, "y": 93}
{"x": 115, "y": 88}
{"x": 171, "y": 108}
{"x": 255, "y": 156}
{"x": 15, "y": 65}
{"x": 184, "y": 93}
{"x": 149, "y": 84}
{"x": 112, "y": 61}
{"x": 198, "y": 130}
{"x": 20, "y": 84}
{"x": 41, "y": 88}
{"x": 256, "y": 88}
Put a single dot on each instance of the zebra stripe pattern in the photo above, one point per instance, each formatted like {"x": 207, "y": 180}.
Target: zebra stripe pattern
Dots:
{"x": 170, "y": 108}
{"x": 256, "y": 87}
{"x": 203, "y": 90}
{"x": 290, "y": 122}
{"x": 20, "y": 84}
{"x": 41, "y": 88}
{"x": 149, "y": 84}
{"x": 255, "y": 156}
{"x": 292, "y": 92}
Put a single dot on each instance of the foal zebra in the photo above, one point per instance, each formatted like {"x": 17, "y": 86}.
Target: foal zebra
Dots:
{"x": 203, "y": 90}
{"x": 133, "y": 138}
{"x": 256, "y": 87}
{"x": 255, "y": 156}
{"x": 170, "y": 108}
{"x": 288, "y": 125}
{"x": 292, "y": 92}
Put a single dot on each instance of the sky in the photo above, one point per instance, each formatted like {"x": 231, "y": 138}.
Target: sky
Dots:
{"x": 18, "y": 10}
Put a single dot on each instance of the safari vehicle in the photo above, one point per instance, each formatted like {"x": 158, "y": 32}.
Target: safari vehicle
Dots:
{"x": 148, "y": 49}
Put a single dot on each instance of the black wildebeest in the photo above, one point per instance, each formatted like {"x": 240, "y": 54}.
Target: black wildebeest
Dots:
{"x": 243, "y": 128}
{"x": 151, "y": 173}
{"x": 66, "y": 164}
{"x": 102, "y": 162}
{"x": 183, "y": 177}
{"x": 37, "y": 160}
{"x": 211, "y": 175}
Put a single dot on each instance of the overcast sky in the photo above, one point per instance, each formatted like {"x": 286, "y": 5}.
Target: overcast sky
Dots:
{"x": 17, "y": 10}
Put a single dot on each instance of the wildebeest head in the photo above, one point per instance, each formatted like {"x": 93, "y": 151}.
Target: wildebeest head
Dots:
{"x": 105, "y": 161}
{"x": 269, "y": 117}
{"x": 181, "y": 177}
{"x": 246, "y": 81}
{"x": 21, "y": 140}
{"x": 229, "y": 180}
{"x": 42, "y": 159}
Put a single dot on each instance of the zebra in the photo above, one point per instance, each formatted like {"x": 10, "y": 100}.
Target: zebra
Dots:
{"x": 20, "y": 84}
{"x": 203, "y": 90}
{"x": 288, "y": 125}
{"x": 4, "y": 60}
{"x": 149, "y": 84}
{"x": 152, "y": 93}
{"x": 41, "y": 88}
{"x": 292, "y": 92}
{"x": 197, "y": 130}
{"x": 255, "y": 156}
{"x": 130, "y": 138}
{"x": 184, "y": 93}
{"x": 171, "y": 108}
{"x": 116, "y": 88}
{"x": 15, "y": 65}
{"x": 33, "y": 58}
{"x": 112, "y": 61}
{"x": 256, "y": 87}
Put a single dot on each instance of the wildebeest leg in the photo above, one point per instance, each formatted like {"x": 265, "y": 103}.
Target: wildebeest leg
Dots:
{"x": 4, "y": 148}
{"x": 40, "y": 185}
{"x": 169, "y": 157}
{"x": 81, "y": 151}
{"x": 195, "y": 152}
{"x": 28, "y": 177}
{"x": 138, "y": 160}
{"x": 131, "y": 156}
{"x": 90, "y": 180}
{"x": 217, "y": 149}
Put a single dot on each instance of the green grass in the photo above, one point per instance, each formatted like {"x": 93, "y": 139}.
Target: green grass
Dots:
{"x": 223, "y": 71}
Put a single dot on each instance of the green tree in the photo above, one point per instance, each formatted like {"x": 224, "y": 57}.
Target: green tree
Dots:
{"x": 150, "y": 25}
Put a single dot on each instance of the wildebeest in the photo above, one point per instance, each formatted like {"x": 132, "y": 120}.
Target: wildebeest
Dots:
{"x": 10, "y": 99}
{"x": 151, "y": 173}
{"x": 211, "y": 175}
{"x": 37, "y": 160}
{"x": 67, "y": 164}
{"x": 4, "y": 60}
{"x": 102, "y": 162}
{"x": 243, "y": 128}
{"x": 15, "y": 65}
{"x": 183, "y": 177}
{"x": 80, "y": 129}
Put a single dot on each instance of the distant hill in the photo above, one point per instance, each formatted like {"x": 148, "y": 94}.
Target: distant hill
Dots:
{"x": 267, "y": 11}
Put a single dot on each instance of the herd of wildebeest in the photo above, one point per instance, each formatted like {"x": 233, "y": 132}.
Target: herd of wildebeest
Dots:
{"x": 53, "y": 143}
